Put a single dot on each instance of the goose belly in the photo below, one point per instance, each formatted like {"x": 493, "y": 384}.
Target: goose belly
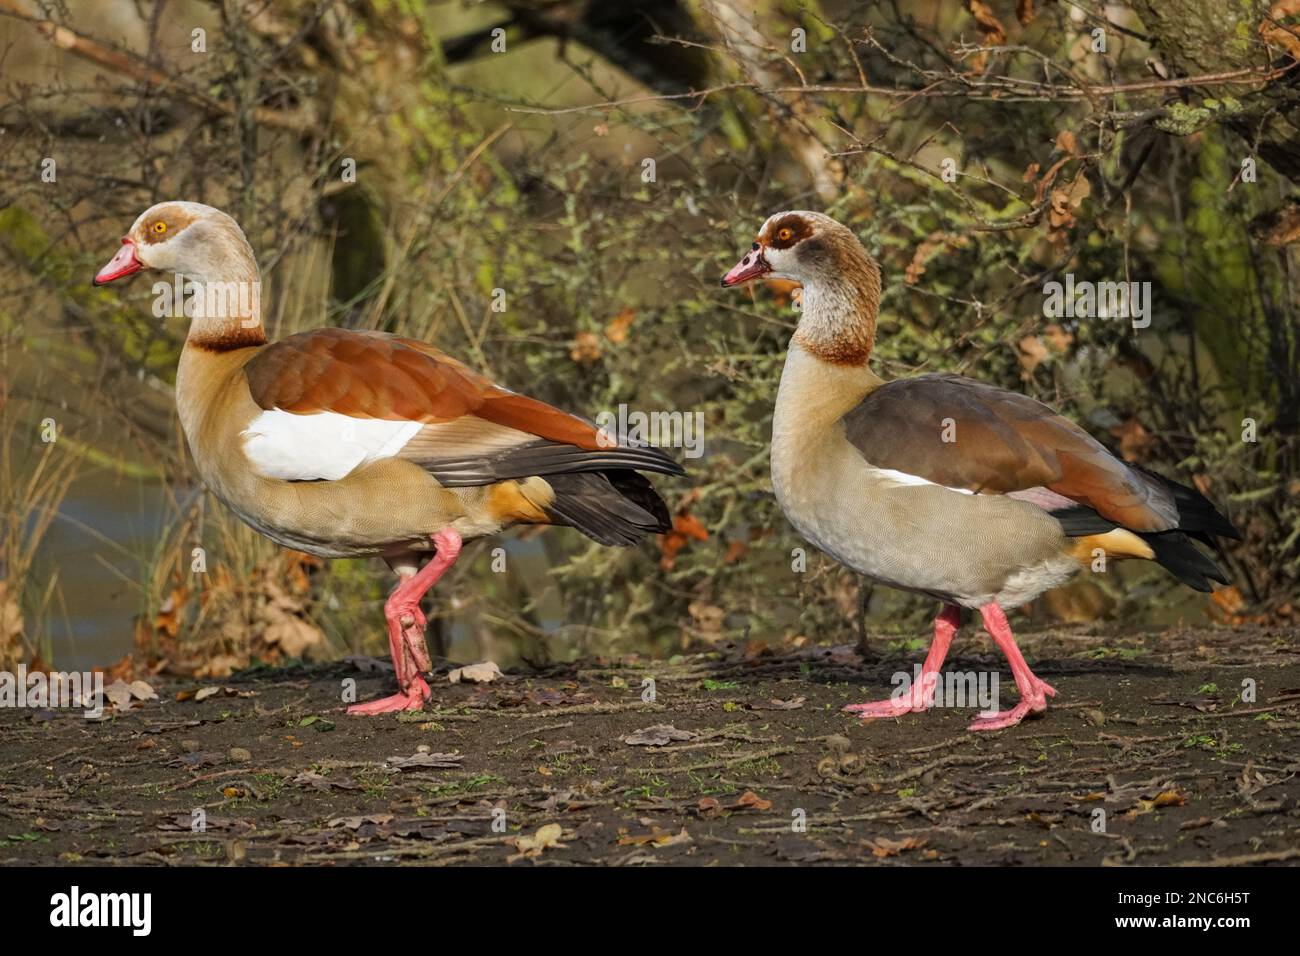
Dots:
{"x": 916, "y": 536}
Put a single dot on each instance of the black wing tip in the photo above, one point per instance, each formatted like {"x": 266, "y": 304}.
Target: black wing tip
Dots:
{"x": 1196, "y": 513}
{"x": 649, "y": 458}
{"x": 1176, "y": 553}
{"x": 616, "y": 508}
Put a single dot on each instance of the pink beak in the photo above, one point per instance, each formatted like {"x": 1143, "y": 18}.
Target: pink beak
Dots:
{"x": 750, "y": 267}
{"x": 123, "y": 264}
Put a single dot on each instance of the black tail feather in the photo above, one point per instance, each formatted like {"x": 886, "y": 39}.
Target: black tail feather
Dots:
{"x": 1172, "y": 549}
{"x": 1175, "y": 552}
{"x": 615, "y": 507}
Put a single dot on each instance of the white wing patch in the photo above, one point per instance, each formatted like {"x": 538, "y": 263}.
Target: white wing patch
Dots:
{"x": 903, "y": 478}
{"x": 324, "y": 445}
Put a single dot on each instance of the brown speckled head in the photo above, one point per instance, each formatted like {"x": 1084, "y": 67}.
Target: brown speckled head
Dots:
{"x": 841, "y": 282}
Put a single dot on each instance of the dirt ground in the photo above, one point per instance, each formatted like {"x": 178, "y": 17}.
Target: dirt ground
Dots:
{"x": 761, "y": 767}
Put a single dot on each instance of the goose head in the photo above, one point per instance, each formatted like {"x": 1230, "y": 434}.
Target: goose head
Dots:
{"x": 798, "y": 245}
{"x": 199, "y": 241}
{"x": 841, "y": 282}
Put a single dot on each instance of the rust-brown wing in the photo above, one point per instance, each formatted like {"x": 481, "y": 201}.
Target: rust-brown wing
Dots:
{"x": 335, "y": 399}
{"x": 1002, "y": 442}
{"x": 375, "y": 375}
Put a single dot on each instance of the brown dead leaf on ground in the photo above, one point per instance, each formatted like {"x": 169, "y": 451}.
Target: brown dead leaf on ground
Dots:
{"x": 1165, "y": 798}
{"x": 121, "y": 694}
{"x": 749, "y": 800}
{"x": 482, "y": 673}
{"x": 777, "y": 703}
{"x": 546, "y": 837}
{"x": 656, "y": 736}
{"x": 419, "y": 761}
{"x": 357, "y": 822}
{"x": 656, "y": 837}
{"x": 1226, "y": 605}
{"x": 220, "y": 665}
{"x": 882, "y": 847}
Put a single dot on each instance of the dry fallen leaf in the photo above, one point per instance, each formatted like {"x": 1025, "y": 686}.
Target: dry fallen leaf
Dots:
{"x": 119, "y": 694}
{"x": 355, "y": 823}
{"x": 1032, "y": 354}
{"x": 750, "y": 800}
{"x": 586, "y": 348}
{"x": 419, "y": 760}
{"x": 1165, "y": 798}
{"x": 484, "y": 673}
{"x": 686, "y": 527}
{"x": 1275, "y": 31}
{"x": 776, "y": 703}
{"x": 617, "y": 329}
{"x": 991, "y": 31}
{"x": 532, "y": 846}
{"x": 883, "y": 847}
{"x": 1134, "y": 440}
{"x": 707, "y": 618}
{"x": 656, "y": 736}
{"x": 656, "y": 837}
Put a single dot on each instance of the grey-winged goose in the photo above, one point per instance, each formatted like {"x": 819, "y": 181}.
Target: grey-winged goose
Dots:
{"x": 979, "y": 497}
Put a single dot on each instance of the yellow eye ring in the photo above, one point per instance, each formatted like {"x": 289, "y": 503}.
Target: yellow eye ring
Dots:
{"x": 160, "y": 227}
{"x": 785, "y": 235}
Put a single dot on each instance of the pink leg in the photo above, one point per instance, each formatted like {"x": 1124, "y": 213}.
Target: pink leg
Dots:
{"x": 921, "y": 696}
{"x": 406, "y": 625}
{"x": 1033, "y": 692}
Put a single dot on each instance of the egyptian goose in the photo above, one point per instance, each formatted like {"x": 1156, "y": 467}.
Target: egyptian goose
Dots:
{"x": 979, "y": 497}
{"x": 346, "y": 444}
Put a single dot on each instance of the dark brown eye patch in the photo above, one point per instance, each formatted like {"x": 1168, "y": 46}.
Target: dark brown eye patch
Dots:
{"x": 166, "y": 223}
{"x": 786, "y": 231}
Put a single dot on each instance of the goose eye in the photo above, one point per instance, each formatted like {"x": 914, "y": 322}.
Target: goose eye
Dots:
{"x": 159, "y": 227}
{"x": 786, "y": 234}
